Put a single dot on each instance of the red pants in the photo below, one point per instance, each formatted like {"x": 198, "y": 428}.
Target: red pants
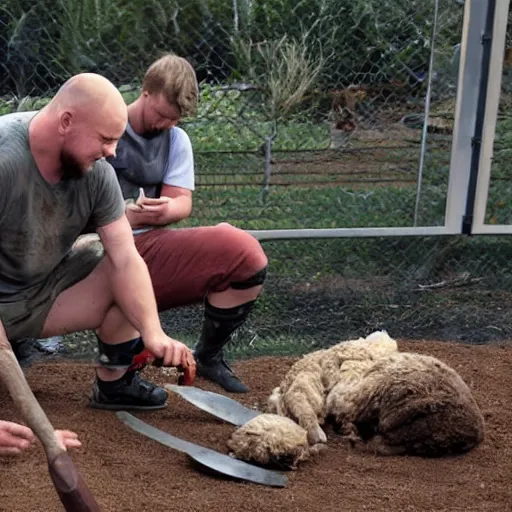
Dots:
{"x": 186, "y": 264}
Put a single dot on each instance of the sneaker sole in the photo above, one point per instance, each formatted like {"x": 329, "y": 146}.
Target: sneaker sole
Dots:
{"x": 120, "y": 407}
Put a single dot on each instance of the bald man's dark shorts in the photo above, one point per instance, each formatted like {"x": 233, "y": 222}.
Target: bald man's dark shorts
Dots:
{"x": 25, "y": 316}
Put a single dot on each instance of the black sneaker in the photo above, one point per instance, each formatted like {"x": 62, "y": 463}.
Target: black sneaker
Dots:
{"x": 129, "y": 392}
{"x": 28, "y": 351}
{"x": 218, "y": 371}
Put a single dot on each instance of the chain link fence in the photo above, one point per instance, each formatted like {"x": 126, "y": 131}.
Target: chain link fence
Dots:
{"x": 312, "y": 115}
{"x": 298, "y": 99}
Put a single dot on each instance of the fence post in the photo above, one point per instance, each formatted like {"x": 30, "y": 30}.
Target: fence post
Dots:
{"x": 486, "y": 42}
{"x": 490, "y": 116}
{"x": 470, "y": 67}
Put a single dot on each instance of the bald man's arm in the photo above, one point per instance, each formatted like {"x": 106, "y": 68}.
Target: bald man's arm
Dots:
{"x": 4, "y": 342}
{"x": 133, "y": 289}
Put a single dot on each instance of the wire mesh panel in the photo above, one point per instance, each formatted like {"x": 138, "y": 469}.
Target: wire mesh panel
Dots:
{"x": 312, "y": 114}
{"x": 302, "y": 103}
{"x": 498, "y": 209}
{"x": 341, "y": 118}
{"x": 320, "y": 292}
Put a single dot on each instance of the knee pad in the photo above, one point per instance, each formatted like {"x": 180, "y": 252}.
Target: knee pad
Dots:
{"x": 255, "y": 280}
{"x": 130, "y": 355}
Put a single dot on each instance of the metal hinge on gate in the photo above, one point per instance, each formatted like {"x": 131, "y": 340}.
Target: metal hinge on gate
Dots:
{"x": 476, "y": 141}
{"x": 486, "y": 38}
{"x": 467, "y": 224}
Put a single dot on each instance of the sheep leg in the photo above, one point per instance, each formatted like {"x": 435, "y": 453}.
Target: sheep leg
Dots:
{"x": 301, "y": 409}
{"x": 274, "y": 402}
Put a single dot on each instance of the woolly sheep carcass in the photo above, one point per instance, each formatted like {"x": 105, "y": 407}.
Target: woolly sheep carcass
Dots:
{"x": 405, "y": 403}
{"x": 301, "y": 394}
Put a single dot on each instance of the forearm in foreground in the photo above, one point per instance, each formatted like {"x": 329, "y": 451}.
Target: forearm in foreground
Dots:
{"x": 133, "y": 292}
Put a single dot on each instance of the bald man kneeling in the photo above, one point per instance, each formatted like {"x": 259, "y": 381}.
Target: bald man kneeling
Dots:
{"x": 55, "y": 184}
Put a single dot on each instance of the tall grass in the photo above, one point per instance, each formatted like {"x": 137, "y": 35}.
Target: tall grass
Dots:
{"x": 370, "y": 41}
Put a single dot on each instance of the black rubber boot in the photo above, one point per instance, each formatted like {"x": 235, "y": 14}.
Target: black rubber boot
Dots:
{"x": 130, "y": 392}
{"x": 218, "y": 326}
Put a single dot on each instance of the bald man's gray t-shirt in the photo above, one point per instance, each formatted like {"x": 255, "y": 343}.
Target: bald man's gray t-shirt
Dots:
{"x": 39, "y": 222}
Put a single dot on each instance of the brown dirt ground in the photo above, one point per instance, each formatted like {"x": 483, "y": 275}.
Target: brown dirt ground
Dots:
{"x": 128, "y": 472}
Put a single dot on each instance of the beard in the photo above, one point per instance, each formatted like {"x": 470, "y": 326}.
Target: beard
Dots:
{"x": 70, "y": 167}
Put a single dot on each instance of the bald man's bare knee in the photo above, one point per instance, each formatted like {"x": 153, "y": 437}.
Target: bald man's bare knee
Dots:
{"x": 90, "y": 305}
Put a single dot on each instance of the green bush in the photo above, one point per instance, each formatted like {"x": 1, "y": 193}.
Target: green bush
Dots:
{"x": 365, "y": 41}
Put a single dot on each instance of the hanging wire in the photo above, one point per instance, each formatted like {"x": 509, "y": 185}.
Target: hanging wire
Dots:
{"x": 427, "y": 113}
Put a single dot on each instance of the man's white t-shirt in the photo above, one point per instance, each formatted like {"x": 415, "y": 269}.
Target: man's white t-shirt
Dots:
{"x": 180, "y": 167}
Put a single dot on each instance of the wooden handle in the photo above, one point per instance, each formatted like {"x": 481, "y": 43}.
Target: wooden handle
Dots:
{"x": 73, "y": 493}
{"x": 14, "y": 379}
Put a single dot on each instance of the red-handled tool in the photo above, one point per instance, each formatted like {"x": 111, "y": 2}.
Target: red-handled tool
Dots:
{"x": 186, "y": 374}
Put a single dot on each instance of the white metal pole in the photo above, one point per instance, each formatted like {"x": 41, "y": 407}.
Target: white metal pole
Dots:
{"x": 490, "y": 119}
{"x": 465, "y": 112}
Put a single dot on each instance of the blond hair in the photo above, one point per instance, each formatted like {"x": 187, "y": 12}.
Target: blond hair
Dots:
{"x": 175, "y": 78}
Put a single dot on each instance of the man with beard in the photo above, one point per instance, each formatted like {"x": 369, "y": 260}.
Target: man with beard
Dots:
{"x": 55, "y": 184}
{"x": 222, "y": 266}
